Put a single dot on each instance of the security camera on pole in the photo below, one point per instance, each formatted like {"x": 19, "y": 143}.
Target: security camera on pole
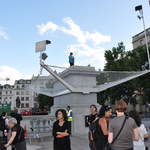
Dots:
{"x": 141, "y": 16}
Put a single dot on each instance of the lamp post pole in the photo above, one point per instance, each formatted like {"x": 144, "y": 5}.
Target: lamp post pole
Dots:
{"x": 146, "y": 40}
{"x": 140, "y": 9}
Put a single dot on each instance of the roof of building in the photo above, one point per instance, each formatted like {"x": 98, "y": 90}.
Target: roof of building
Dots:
{"x": 140, "y": 34}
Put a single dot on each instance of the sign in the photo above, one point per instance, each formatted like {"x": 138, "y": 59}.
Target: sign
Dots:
{"x": 41, "y": 46}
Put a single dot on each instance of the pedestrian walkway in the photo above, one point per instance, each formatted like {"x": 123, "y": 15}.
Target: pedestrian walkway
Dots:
{"x": 30, "y": 147}
{"x": 78, "y": 143}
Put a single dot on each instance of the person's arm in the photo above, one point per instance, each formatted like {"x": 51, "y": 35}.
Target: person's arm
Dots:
{"x": 110, "y": 133}
{"x": 145, "y": 132}
{"x": 135, "y": 131}
{"x": 67, "y": 132}
{"x": 135, "y": 134}
{"x": 110, "y": 137}
{"x": 146, "y": 136}
{"x": 103, "y": 125}
{"x": 54, "y": 130}
{"x": 63, "y": 134}
{"x": 11, "y": 139}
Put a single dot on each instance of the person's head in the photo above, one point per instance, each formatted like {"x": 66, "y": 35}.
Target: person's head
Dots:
{"x": 121, "y": 106}
{"x": 4, "y": 114}
{"x": 61, "y": 114}
{"x": 93, "y": 109}
{"x": 71, "y": 53}
{"x": 15, "y": 110}
{"x": 105, "y": 111}
{"x": 135, "y": 115}
{"x": 68, "y": 107}
{"x": 12, "y": 122}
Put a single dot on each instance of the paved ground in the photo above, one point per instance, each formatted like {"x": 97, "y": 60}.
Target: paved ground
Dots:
{"x": 78, "y": 143}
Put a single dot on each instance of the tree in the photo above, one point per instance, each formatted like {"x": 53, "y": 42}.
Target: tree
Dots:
{"x": 118, "y": 59}
{"x": 45, "y": 102}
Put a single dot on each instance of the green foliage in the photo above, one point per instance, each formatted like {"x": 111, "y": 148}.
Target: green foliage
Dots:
{"x": 44, "y": 101}
{"x": 118, "y": 59}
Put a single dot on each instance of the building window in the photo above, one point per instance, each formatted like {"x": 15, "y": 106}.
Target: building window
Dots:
{"x": 17, "y": 93}
{"x": 6, "y": 92}
{"x": 27, "y": 105}
{"x": 22, "y": 98}
{"x": 10, "y": 97}
{"x": 142, "y": 42}
{"x": 27, "y": 92}
{"x": 22, "y": 93}
{"x": 27, "y": 98}
{"x": 22, "y": 105}
{"x": 28, "y": 82}
{"x": 10, "y": 92}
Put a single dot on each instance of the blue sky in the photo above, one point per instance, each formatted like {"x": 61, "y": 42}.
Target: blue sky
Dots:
{"x": 87, "y": 27}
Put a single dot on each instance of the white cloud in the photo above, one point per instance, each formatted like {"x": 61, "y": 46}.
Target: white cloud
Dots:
{"x": 88, "y": 43}
{"x": 12, "y": 74}
{"x": 43, "y": 28}
{"x": 74, "y": 30}
{"x": 3, "y": 35}
{"x": 91, "y": 55}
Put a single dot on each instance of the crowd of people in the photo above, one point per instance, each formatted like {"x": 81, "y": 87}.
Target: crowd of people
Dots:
{"x": 122, "y": 131}
{"x": 11, "y": 132}
{"x": 108, "y": 129}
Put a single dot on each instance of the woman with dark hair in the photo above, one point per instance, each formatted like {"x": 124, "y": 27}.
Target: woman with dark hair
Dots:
{"x": 100, "y": 135}
{"x": 139, "y": 145}
{"x": 93, "y": 115}
{"x": 61, "y": 131}
{"x": 90, "y": 120}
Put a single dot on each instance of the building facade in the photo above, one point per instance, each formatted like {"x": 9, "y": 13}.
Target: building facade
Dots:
{"x": 8, "y": 94}
{"x": 23, "y": 97}
{"x": 139, "y": 39}
{"x": 22, "y": 94}
{"x": 41, "y": 82}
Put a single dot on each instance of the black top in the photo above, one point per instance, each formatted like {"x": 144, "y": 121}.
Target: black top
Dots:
{"x": 62, "y": 143}
{"x": 58, "y": 128}
{"x": 19, "y": 134}
{"x": 91, "y": 118}
{"x": 99, "y": 137}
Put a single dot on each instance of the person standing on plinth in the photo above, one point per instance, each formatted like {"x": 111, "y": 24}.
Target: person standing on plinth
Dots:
{"x": 71, "y": 59}
{"x": 70, "y": 115}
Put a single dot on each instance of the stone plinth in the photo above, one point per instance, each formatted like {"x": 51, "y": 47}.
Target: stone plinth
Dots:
{"x": 81, "y": 77}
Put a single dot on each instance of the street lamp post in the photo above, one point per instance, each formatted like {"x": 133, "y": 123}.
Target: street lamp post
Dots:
{"x": 141, "y": 16}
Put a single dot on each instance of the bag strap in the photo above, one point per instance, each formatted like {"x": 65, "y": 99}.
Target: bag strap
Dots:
{"x": 120, "y": 130}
